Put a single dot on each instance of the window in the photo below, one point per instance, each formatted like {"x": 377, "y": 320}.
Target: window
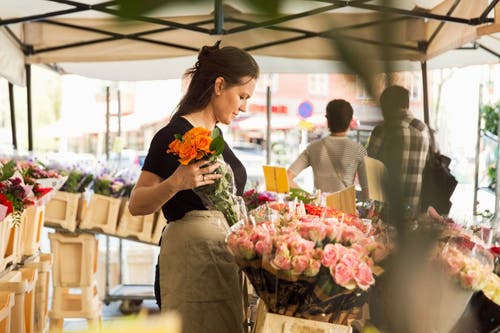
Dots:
{"x": 361, "y": 89}
{"x": 317, "y": 84}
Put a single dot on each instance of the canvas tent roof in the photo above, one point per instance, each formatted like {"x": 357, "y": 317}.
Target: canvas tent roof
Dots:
{"x": 78, "y": 36}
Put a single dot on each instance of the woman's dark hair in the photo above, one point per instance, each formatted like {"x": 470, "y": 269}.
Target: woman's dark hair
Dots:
{"x": 339, "y": 115}
{"x": 393, "y": 100}
{"x": 231, "y": 63}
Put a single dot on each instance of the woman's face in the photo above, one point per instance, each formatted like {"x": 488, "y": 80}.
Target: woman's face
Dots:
{"x": 229, "y": 102}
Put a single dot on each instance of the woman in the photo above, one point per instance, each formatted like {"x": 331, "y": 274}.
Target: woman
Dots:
{"x": 198, "y": 277}
{"x": 335, "y": 159}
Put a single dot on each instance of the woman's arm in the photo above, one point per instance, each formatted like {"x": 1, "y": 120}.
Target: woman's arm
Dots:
{"x": 151, "y": 191}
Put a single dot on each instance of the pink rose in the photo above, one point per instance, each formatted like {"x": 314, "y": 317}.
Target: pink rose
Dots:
{"x": 281, "y": 262}
{"x": 232, "y": 244}
{"x": 471, "y": 279}
{"x": 343, "y": 275}
{"x": 299, "y": 264}
{"x": 263, "y": 247}
{"x": 331, "y": 255}
{"x": 363, "y": 276}
{"x": 351, "y": 234}
{"x": 350, "y": 258}
{"x": 246, "y": 248}
{"x": 312, "y": 268}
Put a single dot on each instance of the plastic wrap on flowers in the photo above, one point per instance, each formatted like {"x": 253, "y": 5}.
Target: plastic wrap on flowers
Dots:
{"x": 221, "y": 195}
{"x": 308, "y": 267}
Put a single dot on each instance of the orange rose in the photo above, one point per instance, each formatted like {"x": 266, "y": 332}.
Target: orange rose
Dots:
{"x": 187, "y": 152}
{"x": 202, "y": 142}
{"x": 174, "y": 147}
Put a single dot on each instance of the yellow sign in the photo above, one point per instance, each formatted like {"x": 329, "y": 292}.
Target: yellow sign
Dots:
{"x": 276, "y": 179}
{"x": 304, "y": 124}
{"x": 375, "y": 173}
{"x": 345, "y": 200}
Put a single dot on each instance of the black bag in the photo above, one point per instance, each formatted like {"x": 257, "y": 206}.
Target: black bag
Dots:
{"x": 438, "y": 183}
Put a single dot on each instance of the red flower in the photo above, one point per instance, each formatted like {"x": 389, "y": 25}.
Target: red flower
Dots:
{"x": 6, "y": 202}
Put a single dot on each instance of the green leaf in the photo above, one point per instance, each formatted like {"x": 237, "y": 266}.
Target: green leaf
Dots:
{"x": 217, "y": 145}
{"x": 8, "y": 170}
{"x": 178, "y": 137}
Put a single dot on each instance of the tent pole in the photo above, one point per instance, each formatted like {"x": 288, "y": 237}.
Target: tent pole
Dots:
{"x": 218, "y": 17}
{"x": 268, "y": 128}
{"x": 106, "y": 138}
{"x": 423, "y": 66}
{"x": 29, "y": 105}
{"x": 12, "y": 116}
{"x": 478, "y": 148}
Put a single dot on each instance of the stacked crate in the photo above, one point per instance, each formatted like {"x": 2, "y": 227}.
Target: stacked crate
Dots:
{"x": 102, "y": 214}
{"x": 65, "y": 210}
{"x": 21, "y": 284}
{"x": 43, "y": 264}
{"x": 6, "y": 305}
{"x": 75, "y": 280}
{"x": 31, "y": 230}
{"x": 140, "y": 227}
{"x": 10, "y": 243}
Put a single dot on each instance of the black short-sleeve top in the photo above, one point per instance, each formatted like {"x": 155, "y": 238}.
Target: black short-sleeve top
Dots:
{"x": 162, "y": 164}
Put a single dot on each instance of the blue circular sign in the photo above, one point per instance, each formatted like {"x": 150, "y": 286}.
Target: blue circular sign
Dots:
{"x": 306, "y": 109}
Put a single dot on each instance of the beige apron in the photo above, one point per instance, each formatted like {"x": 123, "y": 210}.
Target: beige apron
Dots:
{"x": 198, "y": 276}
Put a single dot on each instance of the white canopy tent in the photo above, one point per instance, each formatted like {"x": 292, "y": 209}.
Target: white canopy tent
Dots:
{"x": 85, "y": 37}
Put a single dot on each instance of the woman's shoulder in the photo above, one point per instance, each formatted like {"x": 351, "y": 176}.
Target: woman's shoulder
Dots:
{"x": 177, "y": 125}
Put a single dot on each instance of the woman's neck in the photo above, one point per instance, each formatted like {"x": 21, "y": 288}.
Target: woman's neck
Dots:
{"x": 201, "y": 119}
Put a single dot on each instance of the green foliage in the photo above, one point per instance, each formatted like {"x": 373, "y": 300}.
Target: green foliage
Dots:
{"x": 77, "y": 182}
{"x": 7, "y": 170}
{"x": 489, "y": 113}
{"x": 301, "y": 195}
{"x": 217, "y": 144}
{"x": 492, "y": 174}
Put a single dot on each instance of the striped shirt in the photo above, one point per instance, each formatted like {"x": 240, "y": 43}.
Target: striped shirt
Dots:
{"x": 347, "y": 156}
{"x": 410, "y": 137}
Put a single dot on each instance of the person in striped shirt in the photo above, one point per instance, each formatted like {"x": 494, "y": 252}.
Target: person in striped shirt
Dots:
{"x": 401, "y": 142}
{"x": 335, "y": 159}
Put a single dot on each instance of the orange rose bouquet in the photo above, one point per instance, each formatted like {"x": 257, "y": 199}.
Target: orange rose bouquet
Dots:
{"x": 202, "y": 144}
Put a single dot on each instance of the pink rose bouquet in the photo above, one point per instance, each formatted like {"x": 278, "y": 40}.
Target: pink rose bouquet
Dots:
{"x": 307, "y": 265}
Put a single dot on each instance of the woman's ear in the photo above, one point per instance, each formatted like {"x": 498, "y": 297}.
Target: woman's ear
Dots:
{"x": 219, "y": 85}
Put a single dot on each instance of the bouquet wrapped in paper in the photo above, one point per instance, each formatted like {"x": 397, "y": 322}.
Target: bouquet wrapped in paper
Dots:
{"x": 308, "y": 266}
{"x": 201, "y": 144}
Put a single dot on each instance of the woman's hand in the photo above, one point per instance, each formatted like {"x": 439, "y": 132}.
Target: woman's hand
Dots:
{"x": 187, "y": 177}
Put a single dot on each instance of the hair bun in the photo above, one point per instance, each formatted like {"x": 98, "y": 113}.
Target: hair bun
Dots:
{"x": 206, "y": 51}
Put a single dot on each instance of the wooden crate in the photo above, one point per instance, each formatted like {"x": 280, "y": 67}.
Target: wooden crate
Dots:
{"x": 102, "y": 213}
{"x": 64, "y": 210}
{"x": 75, "y": 259}
{"x": 10, "y": 243}
{"x": 31, "y": 229}
{"x": 267, "y": 322}
{"x": 158, "y": 226}
{"x": 75, "y": 303}
{"x": 22, "y": 284}
{"x": 5, "y": 227}
{"x": 6, "y": 305}
{"x": 140, "y": 227}
{"x": 43, "y": 264}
